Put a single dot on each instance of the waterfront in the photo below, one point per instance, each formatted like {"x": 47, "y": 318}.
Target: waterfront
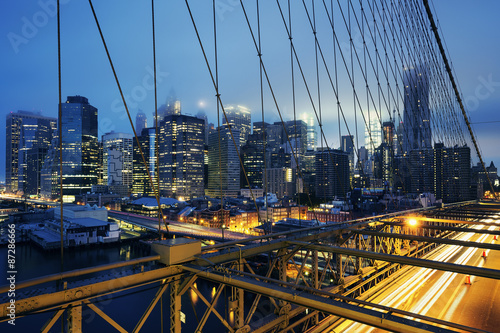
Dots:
{"x": 125, "y": 308}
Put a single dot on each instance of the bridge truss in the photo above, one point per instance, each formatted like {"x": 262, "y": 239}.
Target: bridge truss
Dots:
{"x": 301, "y": 281}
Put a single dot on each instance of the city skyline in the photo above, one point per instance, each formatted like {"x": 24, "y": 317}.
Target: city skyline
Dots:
{"x": 30, "y": 75}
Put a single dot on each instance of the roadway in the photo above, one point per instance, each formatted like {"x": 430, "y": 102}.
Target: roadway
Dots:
{"x": 177, "y": 228}
{"x": 444, "y": 295}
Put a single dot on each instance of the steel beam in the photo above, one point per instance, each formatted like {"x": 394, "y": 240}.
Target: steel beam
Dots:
{"x": 105, "y": 316}
{"x": 150, "y": 308}
{"x": 448, "y": 267}
{"x": 429, "y": 239}
{"x": 430, "y": 219}
{"x": 385, "y": 320}
{"x": 438, "y": 227}
{"x": 79, "y": 272}
{"x": 59, "y": 298}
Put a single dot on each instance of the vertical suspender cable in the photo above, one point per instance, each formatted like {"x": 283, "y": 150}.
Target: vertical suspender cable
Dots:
{"x": 217, "y": 96}
{"x": 59, "y": 125}
{"x": 156, "y": 193}
{"x": 264, "y": 129}
{"x": 157, "y": 150}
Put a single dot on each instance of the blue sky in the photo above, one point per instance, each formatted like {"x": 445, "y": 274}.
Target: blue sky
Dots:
{"x": 28, "y": 69}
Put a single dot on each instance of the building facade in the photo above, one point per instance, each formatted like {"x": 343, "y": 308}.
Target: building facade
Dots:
{"x": 240, "y": 117}
{"x": 28, "y": 138}
{"x": 332, "y": 173}
{"x": 117, "y": 161}
{"x": 181, "y": 155}
{"x": 223, "y": 163}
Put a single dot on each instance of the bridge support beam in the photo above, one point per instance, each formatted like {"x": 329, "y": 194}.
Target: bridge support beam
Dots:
{"x": 175, "y": 308}
{"x": 74, "y": 318}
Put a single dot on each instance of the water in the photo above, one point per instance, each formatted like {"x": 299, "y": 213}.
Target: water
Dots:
{"x": 126, "y": 308}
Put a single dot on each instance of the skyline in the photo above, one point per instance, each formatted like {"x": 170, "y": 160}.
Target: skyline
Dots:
{"x": 32, "y": 70}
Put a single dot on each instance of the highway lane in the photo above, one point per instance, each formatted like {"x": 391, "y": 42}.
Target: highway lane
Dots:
{"x": 445, "y": 295}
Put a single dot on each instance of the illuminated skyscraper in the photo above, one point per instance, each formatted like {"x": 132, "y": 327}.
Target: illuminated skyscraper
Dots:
{"x": 223, "y": 164}
{"x": 240, "y": 117}
{"x": 141, "y": 184}
{"x": 117, "y": 161}
{"x": 181, "y": 154}
{"x": 373, "y": 133}
{"x": 28, "y": 138}
{"x": 312, "y": 139}
{"x": 80, "y": 151}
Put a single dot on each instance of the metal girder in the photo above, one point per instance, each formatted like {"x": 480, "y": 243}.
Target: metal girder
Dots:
{"x": 59, "y": 298}
{"x": 78, "y": 272}
{"x": 150, "y": 308}
{"x": 448, "y": 267}
{"x": 429, "y": 239}
{"x": 385, "y": 320}
{"x": 75, "y": 318}
{"x": 211, "y": 308}
{"x": 430, "y": 219}
{"x": 105, "y": 316}
{"x": 48, "y": 325}
{"x": 443, "y": 227}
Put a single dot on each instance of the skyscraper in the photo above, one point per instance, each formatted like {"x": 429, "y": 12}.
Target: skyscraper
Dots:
{"x": 240, "y": 117}
{"x": 223, "y": 164}
{"x": 373, "y": 133}
{"x": 117, "y": 161}
{"x": 347, "y": 145}
{"x": 80, "y": 150}
{"x": 28, "y": 137}
{"x": 452, "y": 173}
{"x": 141, "y": 122}
{"x": 312, "y": 138}
{"x": 416, "y": 121}
{"x": 181, "y": 155}
{"x": 141, "y": 184}
{"x": 332, "y": 173}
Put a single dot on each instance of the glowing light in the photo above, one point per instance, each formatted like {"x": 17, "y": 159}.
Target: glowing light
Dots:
{"x": 412, "y": 222}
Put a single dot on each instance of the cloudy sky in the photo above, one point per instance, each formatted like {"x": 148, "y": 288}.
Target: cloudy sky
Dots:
{"x": 28, "y": 68}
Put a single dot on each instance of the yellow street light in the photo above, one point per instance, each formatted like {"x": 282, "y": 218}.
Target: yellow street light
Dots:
{"x": 412, "y": 222}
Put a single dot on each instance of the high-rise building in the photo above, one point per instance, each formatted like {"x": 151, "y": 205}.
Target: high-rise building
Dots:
{"x": 252, "y": 154}
{"x": 273, "y": 134}
{"x": 421, "y": 167}
{"x": 388, "y": 133}
{"x": 80, "y": 150}
{"x": 332, "y": 173}
{"x": 312, "y": 138}
{"x": 373, "y": 133}
{"x": 452, "y": 173}
{"x": 141, "y": 184}
{"x": 240, "y": 117}
{"x": 281, "y": 181}
{"x": 141, "y": 122}
{"x": 28, "y": 138}
{"x": 416, "y": 122}
{"x": 223, "y": 163}
{"x": 117, "y": 161}
{"x": 347, "y": 145}
{"x": 297, "y": 133}
{"x": 182, "y": 156}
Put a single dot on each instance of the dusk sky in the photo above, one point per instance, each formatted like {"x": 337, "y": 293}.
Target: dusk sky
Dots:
{"x": 471, "y": 30}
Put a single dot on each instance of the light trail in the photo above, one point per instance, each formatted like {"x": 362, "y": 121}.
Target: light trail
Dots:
{"x": 420, "y": 276}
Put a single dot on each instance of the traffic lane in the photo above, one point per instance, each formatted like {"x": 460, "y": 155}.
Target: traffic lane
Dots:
{"x": 409, "y": 290}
